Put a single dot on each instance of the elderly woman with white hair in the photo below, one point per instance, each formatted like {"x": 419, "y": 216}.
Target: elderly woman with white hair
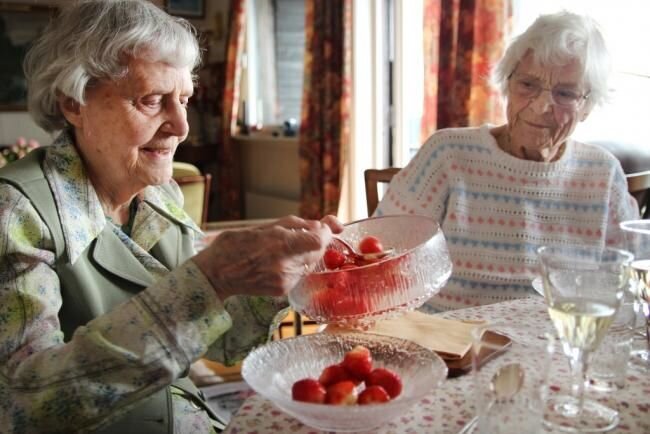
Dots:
{"x": 103, "y": 303}
{"x": 499, "y": 192}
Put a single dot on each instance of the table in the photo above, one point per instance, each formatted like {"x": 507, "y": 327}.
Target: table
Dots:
{"x": 449, "y": 408}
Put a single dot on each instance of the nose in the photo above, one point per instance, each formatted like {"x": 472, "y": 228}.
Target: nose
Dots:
{"x": 543, "y": 102}
{"x": 176, "y": 120}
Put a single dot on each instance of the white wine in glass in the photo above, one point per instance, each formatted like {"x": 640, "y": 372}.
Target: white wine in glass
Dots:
{"x": 583, "y": 289}
{"x": 637, "y": 238}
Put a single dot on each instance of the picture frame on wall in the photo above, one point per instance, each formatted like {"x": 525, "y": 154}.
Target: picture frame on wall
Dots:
{"x": 20, "y": 25}
{"x": 186, "y": 8}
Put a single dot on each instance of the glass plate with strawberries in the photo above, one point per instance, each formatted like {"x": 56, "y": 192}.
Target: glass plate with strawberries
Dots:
{"x": 399, "y": 263}
{"x": 344, "y": 382}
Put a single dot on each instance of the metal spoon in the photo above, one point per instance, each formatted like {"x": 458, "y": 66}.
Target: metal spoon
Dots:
{"x": 364, "y": 256}
{"x": 505, "y": 384}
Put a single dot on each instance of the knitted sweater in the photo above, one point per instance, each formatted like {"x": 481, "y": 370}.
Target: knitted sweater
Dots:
{"x": 496, "y": 210}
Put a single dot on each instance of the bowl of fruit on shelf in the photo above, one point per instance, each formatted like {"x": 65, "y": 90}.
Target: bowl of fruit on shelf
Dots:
{"x": 344, "y": 382}
{"x": 376, "y": 268}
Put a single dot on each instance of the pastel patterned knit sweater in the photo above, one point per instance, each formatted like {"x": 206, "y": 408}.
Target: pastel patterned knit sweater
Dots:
{"x": 496, "y": 210}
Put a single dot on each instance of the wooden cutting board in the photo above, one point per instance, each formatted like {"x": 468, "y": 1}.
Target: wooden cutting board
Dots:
{"x": 451, "y": 339}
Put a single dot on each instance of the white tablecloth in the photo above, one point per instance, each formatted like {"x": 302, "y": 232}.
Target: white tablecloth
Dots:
{"x": 450, "y": 407}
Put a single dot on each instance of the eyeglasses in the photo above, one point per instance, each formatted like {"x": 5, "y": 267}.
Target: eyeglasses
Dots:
{"x": 530, "y": 88}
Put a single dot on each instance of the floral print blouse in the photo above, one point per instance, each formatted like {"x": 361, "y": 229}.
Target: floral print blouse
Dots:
{"x": 48, "y": 384}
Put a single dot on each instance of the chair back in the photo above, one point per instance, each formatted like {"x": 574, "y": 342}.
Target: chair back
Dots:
{"x": 196, "y": 190}
{"x": 180, "y": 168}
{"x": 372, "y": 178}
{"x": 638, "y": 184}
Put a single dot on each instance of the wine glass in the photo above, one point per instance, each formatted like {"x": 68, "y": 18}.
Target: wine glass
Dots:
{"x": 583, "y": 289}
{"x": 637, "y": 237}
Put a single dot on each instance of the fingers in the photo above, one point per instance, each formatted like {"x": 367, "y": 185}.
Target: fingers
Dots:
{"x": 306, "y": 240}
{"x": 334, "y": 223}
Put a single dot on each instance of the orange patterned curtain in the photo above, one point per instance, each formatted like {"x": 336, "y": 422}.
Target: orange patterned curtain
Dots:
{"x": 463, "y": 39}
{"x": 229, "y": 191}
{"x": 325, "y": 118}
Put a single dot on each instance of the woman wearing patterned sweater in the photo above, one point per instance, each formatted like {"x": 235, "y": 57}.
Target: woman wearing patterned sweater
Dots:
{"x": 501, "y": 192}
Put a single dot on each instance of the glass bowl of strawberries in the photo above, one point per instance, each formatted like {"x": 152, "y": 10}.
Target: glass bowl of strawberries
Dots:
{"x": 344, "y": 382}
{"x": 400, "y": 262}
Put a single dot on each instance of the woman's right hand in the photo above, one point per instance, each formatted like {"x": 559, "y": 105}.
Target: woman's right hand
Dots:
{"x": 266, "y": 260}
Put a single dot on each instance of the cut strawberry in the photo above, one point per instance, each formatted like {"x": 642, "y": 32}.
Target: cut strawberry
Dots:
{"x": 308, "y": 390}
{"x": 343, "y": 393}
{"x": 389, "y": 380}
{"x": 335, "y": 374}
{"x": 373, "y": 395}
{"x": 358, "y": 362}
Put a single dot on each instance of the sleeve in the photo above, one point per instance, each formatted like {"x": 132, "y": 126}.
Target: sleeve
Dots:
{"x": 622, "y": 207}
{"x": 422, "y": 186}
{"x": 112, "y": 362}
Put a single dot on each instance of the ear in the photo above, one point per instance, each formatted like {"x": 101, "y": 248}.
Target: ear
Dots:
{"x": 71, "y": 110}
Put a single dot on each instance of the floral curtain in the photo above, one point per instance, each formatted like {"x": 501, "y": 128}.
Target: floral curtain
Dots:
{"x": 463, "y": 40}
{"x": 229, "y": 190}
{"x": 325, "y": 118}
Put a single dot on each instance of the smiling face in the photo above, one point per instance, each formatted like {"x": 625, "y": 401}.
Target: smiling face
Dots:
{"x": 537, "y": 127}
{"x": 128, "y": 130}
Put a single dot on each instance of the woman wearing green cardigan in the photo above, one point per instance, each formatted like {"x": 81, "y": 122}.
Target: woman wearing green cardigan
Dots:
{"x": 103, "y": 304}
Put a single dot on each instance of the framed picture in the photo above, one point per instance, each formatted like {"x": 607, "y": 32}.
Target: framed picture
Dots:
{"x": 186, "y": 8}
{"x": 20, "y": 25}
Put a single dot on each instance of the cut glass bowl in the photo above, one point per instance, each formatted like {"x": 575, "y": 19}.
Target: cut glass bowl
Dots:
{"x": 418, "y": 269}
{"x": 272, "y": 369}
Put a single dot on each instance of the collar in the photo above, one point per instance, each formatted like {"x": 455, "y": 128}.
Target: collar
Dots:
{"x": 80, "y": 211}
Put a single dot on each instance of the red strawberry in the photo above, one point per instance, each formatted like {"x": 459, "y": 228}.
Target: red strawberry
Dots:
{"x": 370, "y": 244}
{"x": 358, "y": 362}
{"x": 335, "y": 374}
{"x": 308, "y": 390}
{"x": 348, "y": 266}
{"x": 333, "y": 259}
{"x": 389, "y": 380}
{"x": 373, "y": 395}
{"x": 343, "y": 393}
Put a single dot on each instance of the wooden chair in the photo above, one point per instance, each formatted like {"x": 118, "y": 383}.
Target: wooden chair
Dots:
{"x": 196, "y": 190}
{"x": 372, "y": 178}
{"x": 638, "y": 184}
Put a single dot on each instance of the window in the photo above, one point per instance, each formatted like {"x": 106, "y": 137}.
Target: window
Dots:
{"x": 273, "y": 61}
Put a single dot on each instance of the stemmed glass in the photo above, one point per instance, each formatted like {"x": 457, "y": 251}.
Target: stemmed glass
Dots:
{"x": 583, "y": 289}
{"x": 637, "y": 237}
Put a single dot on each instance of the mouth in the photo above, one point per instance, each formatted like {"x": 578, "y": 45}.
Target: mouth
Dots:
{"x": 157, "y": 152}
{"x": 536, "y": 125}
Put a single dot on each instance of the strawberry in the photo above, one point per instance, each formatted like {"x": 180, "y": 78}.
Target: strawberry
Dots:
{"x": 308, "y": 390}
{"x": 373, "y": 395}
{"x": 342, "y": 393}
{"x": 335, "y": 374}
{"x": 358, "y": 362}
{"x": 333, "y": 259}
{"x": 370, "y": 244}
{"x": 389, "y": 380}
{"x": 349, "y": 266}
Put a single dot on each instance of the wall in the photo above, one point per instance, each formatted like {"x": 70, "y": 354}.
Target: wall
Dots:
{"x": 271, "y": 178}
{"x": 213, "y": 29}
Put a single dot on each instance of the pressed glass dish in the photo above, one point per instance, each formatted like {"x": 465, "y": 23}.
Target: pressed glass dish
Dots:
{"x": 272, "y": 369}
{"x": 357, "y": 297}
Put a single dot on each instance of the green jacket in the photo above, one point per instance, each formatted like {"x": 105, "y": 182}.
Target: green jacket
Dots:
{"x": 105, "y": 275}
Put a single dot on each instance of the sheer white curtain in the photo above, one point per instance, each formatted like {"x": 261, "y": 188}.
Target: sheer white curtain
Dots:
{"x": 260, "y": 48}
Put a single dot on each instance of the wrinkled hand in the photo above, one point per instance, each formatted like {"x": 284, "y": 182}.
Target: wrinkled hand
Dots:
{"x": 266, "y": 260}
